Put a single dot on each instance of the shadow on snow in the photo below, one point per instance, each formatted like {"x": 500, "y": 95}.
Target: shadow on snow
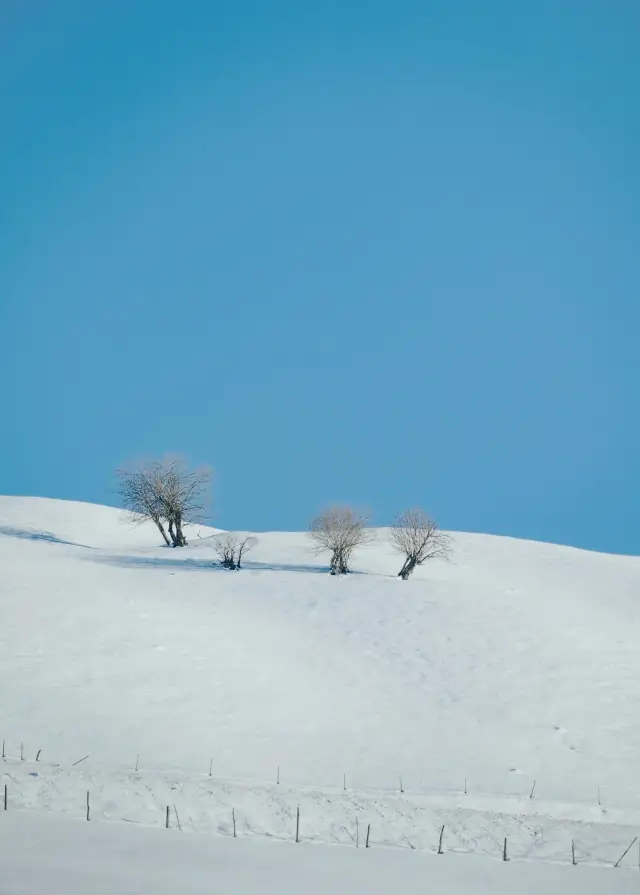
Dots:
{"x": 189, "y": 564}
{"x": 26, "y": 535}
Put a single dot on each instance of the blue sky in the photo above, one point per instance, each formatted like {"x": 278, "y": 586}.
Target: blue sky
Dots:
{"x": 384, "y": 253}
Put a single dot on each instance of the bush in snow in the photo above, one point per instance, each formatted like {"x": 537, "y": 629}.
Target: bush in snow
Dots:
{"x": 230, "y": 549}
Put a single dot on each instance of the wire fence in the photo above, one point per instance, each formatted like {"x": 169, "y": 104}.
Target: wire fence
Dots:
{"x": 507, "y": 828}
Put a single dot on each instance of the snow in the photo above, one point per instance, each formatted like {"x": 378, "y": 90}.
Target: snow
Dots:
{"x": 513, "y": 663}
{"x": 73, "y": 858}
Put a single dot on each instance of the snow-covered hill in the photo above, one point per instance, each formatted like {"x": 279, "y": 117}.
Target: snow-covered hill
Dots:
{"x": 515, "y": 662}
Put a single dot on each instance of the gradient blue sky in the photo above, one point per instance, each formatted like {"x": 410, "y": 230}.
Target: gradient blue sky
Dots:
{"x": 386, "y": 253}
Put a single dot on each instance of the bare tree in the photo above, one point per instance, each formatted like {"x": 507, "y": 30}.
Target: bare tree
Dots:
{"x": 166, "y": 492}
{"x": 140, "y": 491}
{"x": 185, "y": 496}
{"x": 244, "y": 547}
{"x": 224, "y": 547}
{"x": 417, "y": 538}
{"x": 230, "y": 549}
{"x": 339, "y": 530}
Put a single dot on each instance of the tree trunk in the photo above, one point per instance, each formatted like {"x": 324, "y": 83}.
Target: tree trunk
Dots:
{"x": 339, "y": 565}
{"x": 181, "y": 541}
{"x": 160, "y": 528}
{"x": 407, "y": 569}
{"x": 172, "y": 533}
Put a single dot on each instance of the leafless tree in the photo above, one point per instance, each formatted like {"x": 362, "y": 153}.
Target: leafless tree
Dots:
{"x": 224, "y": 547}
{"x": 418, "y": 538}
{"x": 185, "y": 497}
{"x": 244, "y": 547}
{"x": 339, "y": 530}
{"x": 230, "y": 549}
{"x": 140, "y": 491}
{"x": 166, "y": 492}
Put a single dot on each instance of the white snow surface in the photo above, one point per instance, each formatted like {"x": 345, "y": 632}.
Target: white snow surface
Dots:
{"x": 514, "y": 662}
{"x": 74, "y": 858}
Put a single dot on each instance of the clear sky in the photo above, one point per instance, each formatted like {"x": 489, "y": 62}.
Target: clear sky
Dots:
{"x": 378, "y": 252}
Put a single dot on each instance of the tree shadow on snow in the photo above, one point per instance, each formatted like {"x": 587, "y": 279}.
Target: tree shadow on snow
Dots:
{"x": 154, "y": 562}
{"x": 290, "y": 567}
{"x": 189, "y": 564}
{"x": 46, "y": 536}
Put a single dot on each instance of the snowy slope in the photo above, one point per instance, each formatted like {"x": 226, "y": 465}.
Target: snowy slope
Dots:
{"x": 515, "y": 662}
{"x": 71, "y": 858}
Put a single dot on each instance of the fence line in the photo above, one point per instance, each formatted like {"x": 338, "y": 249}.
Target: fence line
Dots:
{"x": 423, "y": 789}
{"x": 487, "y": 819}
{"x": 368, "y": 843}
{"x": 453, "y": 847}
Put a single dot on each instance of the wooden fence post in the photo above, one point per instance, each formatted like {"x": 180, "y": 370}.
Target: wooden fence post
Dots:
{"x": 167, "y": 820}
{"x": 573, "y": 853}
{"x": 88, "y": 807}
{"x": 368, "y": 834}
{"x": 298, "y": 825}
{"x": 440, "y": 843}
{"x": 533, "y": 789}
{"x": 357, "y": 834}
{"x": 233, "y": 815}
{"x": 504, "y": 850}
{"x": 5, "y": 797}
{"x": 625, "y": 852}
